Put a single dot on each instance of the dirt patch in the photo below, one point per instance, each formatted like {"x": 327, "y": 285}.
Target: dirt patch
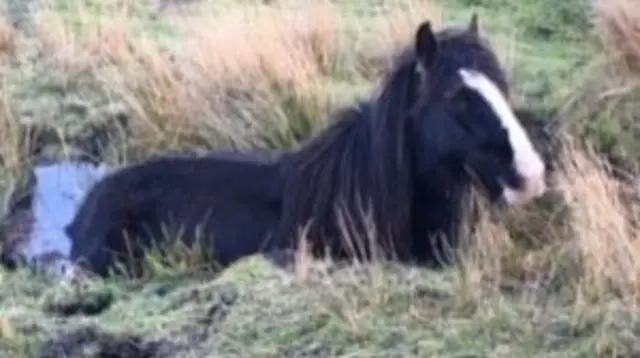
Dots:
{"x": 88, "y": 342}
{"x": 90, "y": 304}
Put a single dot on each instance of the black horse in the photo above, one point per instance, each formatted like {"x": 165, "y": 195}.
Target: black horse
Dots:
{"x": 399, "y": 165}
{"x": 410, "y": 155}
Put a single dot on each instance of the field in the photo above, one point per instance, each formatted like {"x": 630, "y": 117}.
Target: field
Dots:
{"x": 559, "y": 278}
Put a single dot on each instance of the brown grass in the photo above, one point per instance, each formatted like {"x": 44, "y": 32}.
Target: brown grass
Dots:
{"x": 601, "y": 232}
{"x": 7, "y": 37}
{"x": 15, "y": 150}
{"x": 602, "y": 226}
{"x": 610, "y": 89}
{"x": 374, "y": 54}
{"x": 618, "y": 25}
{"x": 596, "y": 241}
{"x": 253, "y": 76}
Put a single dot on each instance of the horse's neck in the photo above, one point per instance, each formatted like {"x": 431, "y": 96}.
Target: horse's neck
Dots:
{"x": 391, "y": 172}
{"x": 390, "y": 145}
{"x": 347, "y": 165}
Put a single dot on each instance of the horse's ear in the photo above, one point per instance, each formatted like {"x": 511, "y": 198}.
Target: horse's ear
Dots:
{"x": 426, "y": 44}
{"x": 473, "y": 24}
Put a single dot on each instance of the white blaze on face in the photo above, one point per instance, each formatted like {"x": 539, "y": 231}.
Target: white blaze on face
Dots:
{"x": 527, "y": 161}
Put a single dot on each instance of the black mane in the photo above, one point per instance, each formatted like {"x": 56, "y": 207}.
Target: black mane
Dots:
{"x": 359, "y": 167}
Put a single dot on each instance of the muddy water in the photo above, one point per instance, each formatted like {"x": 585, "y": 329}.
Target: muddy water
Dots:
{"x": 58, "y": 192}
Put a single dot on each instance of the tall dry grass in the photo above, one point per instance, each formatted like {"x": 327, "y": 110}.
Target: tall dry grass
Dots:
{"x": 7, "y": 37}
{"x": 617, "y": 22}
{"x": 15, "y": 150}
{"x": 602, "y": 226}
{"x": 247, "y": 78}
{"x": 604, "y": 107}
{"x": 602, "y": 233}
{"x": 615, "y": 72}
{"x": 370, "y": 55}
{"x": 254, "y": 76}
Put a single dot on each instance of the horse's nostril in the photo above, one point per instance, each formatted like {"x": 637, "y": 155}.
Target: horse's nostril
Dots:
{"x": 534, "y": 187}
{"x": 530, "y": 188}
{"x": 537, "y": 182}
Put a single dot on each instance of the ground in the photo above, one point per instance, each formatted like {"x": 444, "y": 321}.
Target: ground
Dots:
{"x": 556, "y": 279}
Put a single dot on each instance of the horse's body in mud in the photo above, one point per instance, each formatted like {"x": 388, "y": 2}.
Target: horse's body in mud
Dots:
{"x": 397, "y": 165}
{"x": 230, "y": 201}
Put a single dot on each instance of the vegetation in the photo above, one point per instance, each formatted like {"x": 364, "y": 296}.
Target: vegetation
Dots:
{"x": 558, "y": 278}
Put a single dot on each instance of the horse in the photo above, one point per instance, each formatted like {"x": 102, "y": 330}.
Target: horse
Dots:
{"x": 398, "y": 164}
{"x": 441, "y": 122}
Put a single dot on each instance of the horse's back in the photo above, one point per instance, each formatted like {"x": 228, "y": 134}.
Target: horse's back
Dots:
{"x": 232, "y": 201}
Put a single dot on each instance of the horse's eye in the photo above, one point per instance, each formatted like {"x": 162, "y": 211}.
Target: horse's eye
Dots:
{"x": 459, "y": 102}
{"x": 498, "y": 145}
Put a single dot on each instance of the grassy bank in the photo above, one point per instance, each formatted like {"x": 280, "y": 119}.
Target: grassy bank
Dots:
{"x": 556, "y": 279}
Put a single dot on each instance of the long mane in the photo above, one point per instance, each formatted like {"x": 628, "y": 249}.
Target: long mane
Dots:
{"x": 360, "y": 165}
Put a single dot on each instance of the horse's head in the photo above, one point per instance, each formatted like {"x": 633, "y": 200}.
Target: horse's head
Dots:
{"x": 462, "y": 114}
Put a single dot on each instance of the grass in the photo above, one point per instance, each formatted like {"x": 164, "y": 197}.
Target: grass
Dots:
{"x": 558, "y": 278}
